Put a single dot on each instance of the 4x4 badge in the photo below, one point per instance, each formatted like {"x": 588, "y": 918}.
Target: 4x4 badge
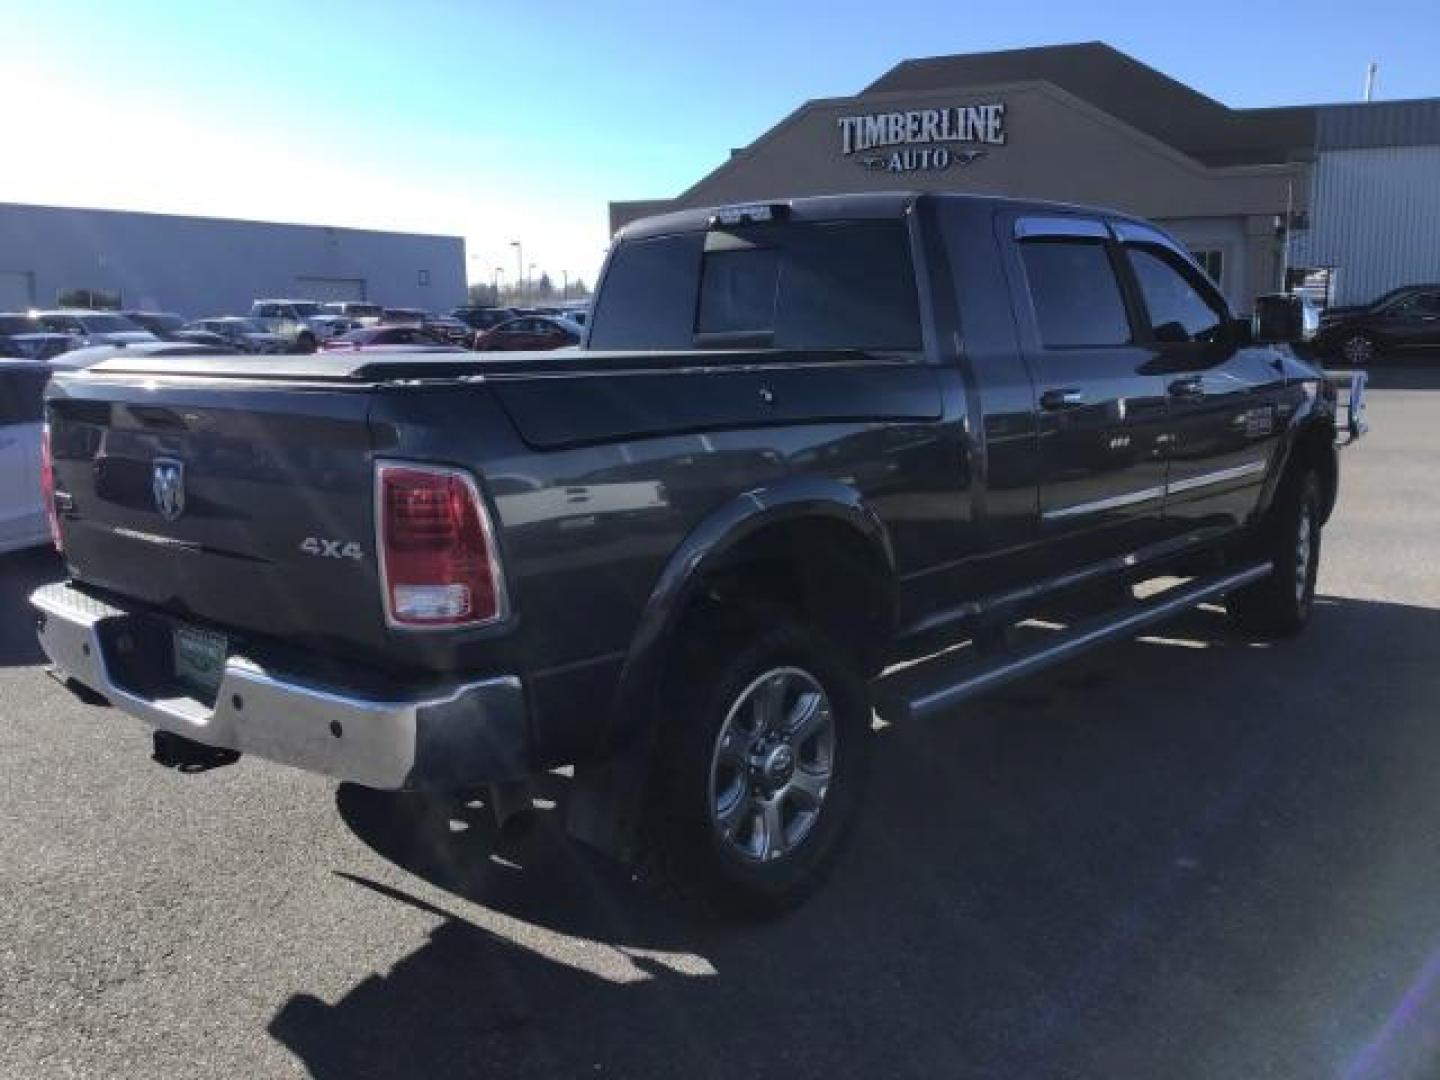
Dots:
{"x": 167, "y": 484}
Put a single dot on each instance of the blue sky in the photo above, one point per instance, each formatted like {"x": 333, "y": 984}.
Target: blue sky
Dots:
{"x": 506, "y": 121}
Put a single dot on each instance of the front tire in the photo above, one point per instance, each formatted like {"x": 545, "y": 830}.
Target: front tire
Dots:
{"x": 1279, "y": 605}
{"x": 760, "y": 770}
{"x": 306, "y": 343}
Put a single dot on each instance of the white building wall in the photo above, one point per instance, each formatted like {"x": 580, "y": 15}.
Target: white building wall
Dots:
{"x": 211, "y": 266}
{"x": 1375, "y": 216}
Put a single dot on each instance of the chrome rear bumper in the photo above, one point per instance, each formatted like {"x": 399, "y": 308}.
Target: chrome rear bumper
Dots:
{"x": 452, "y": 737}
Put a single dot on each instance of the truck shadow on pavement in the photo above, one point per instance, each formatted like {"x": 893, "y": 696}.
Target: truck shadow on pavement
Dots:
{"x": 1187, "y": 855}
{"x": 21, "y": 573}
{"x": 1407, "y": 373}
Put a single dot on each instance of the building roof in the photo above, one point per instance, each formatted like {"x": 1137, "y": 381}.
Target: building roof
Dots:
{"x": 1133, "y": 92}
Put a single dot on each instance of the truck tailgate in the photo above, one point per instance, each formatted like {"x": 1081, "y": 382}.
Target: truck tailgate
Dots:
{"x": 248, "y": 508}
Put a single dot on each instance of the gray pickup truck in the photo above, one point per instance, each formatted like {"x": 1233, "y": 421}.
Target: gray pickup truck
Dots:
{"x": 804, "y": 440}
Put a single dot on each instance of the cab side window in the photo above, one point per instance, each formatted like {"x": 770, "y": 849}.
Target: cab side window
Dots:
{"x": 1179, "y": 308}
{"x": 1075, "y": 294}
{"x": 1417, "y": 305}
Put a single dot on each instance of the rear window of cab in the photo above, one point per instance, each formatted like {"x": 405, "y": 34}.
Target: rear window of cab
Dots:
{"x": 787, "y": 285}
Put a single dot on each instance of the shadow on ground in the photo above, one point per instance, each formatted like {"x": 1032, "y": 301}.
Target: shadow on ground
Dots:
{"x": 1192, "y": 855}
{"x": 20, "y": 574}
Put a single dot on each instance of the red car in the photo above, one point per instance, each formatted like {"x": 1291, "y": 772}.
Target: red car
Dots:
{"x": 529, "y": 332}
{"x": 397, "y": 338}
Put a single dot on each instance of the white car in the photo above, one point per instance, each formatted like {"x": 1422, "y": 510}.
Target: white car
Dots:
{"x": 361, "y": 312}
{"x": 302, "y": 323}
{"x": 92, "y": 327}
{"x": 22, "y": 509}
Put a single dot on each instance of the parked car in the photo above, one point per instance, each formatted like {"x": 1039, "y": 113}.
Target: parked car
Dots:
{"x": 447, "y": 329}
{"x": 1403, "y": 319}
{"x": 92, "y": 327}
{"x": 483, "y": 318}
{"x": 244, "y": 335}
{"x": 530, "y": 333}
{"x": 376, "y": 337}
{"x": 392, "y": 316}
{"x": 302, "y": 323}
{"x": 675, "y": 559}
{"x": 360, "y": 312}
{"x": 576, "y": 311}
{"x": 168, "y": 326}
{"x": 23, "y": 522}
{"x": 443, "y": 327}
{"x": 21, "y": 338}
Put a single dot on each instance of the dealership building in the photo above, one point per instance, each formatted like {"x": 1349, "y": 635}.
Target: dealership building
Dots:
{"x": 215, "y": 266}
{"x": 1342, "y": 198}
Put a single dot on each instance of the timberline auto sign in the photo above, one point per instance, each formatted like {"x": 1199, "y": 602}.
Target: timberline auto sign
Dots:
{"x": 922, "y": 138}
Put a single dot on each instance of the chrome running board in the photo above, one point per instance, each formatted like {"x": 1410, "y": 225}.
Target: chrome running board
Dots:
{"x": 995, "y": 670}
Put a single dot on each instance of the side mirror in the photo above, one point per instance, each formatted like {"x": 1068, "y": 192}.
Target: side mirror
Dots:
{"x": 1279, "y": 318}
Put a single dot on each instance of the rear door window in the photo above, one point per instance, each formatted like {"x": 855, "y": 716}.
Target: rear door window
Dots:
{"x": 1075, "y": 294}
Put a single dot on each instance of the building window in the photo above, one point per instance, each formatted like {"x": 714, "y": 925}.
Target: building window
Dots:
{"x": 92, "y": 299}
{"x": 424, "y": 277}
{"x": 1212, "y": 261}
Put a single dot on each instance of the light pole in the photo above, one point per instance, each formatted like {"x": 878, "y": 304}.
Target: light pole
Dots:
{"x": 565, "y": 288}
{"x": 495, "y": 278}
{"x": 519, "y": 264}
{"x": 530, "y": 283}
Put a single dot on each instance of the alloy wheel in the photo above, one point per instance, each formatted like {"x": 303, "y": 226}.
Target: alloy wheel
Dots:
{"x": 1358, "y": 350}
{"x": 773, "y": 765}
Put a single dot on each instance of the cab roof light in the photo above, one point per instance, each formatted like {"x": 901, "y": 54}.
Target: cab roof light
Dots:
{"x": 750, "y": 214}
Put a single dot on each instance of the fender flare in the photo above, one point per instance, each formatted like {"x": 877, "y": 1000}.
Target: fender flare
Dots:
{"x": 717, "y": 535}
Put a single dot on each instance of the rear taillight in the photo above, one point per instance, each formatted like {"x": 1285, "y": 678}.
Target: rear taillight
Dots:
{"x": 47, "y": 487}
{"x": 439, "y": 565}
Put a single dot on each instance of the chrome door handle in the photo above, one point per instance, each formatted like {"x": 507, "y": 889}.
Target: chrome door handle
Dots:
{"x": 1187, "y": 388}
{"x": 1068, "y": 398}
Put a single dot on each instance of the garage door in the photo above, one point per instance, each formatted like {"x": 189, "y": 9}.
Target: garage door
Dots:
{"x": 16, "y": 293}
{"x": 330, "y": 288}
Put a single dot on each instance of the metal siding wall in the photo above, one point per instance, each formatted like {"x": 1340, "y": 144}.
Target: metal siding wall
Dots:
{"x": 1375, "y": 215}
{"x": 1378, "y": 123}
{"x": 203, "y": 266}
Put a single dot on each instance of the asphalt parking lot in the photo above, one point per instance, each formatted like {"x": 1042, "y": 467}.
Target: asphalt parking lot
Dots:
{"x": 1192, "y": 855}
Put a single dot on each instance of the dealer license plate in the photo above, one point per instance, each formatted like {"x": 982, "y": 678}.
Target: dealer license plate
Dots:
{"x": 199, "y": 661}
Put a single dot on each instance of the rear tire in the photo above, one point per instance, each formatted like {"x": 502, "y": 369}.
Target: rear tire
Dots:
{"x": 1279, "y": 604}
{"x": 759, "y": 771}
{"x": 305, "y": 343}
{"x": 1358, "y": 349}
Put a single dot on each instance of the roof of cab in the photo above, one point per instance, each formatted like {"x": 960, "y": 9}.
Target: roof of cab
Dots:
{"x": 879, "y": 204}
